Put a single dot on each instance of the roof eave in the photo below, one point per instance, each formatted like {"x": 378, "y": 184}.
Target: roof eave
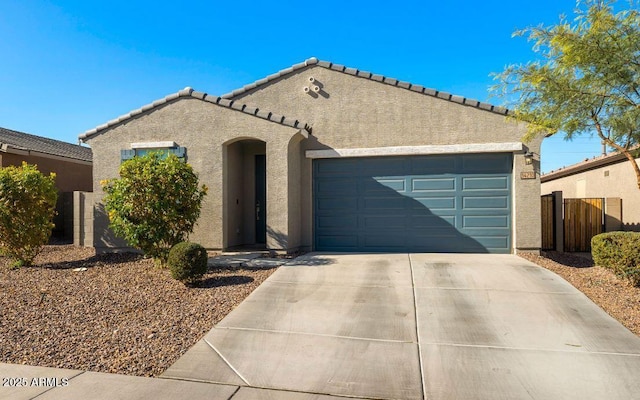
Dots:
{"x": 189, "y": 92}
{"x": 368, "y": 75}
{"x": 9, "y": 149}
{"x": 583, "y": 167}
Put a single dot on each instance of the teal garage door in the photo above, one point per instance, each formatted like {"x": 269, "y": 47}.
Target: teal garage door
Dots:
{"x": 439, "y": 203}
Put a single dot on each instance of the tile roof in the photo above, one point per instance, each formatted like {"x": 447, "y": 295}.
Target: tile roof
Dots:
{"x": 189, "y": 92}
{"x": 374, "y": 77}
{"x": 26, "y": 142}
{"x": 586, "y": 165}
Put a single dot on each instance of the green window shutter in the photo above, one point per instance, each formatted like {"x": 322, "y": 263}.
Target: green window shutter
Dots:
{"x": 127, "y": 154}
{"x": 180, "y": 152}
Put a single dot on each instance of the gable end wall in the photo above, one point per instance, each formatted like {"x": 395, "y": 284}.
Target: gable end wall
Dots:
{"x": 353, "y": 112}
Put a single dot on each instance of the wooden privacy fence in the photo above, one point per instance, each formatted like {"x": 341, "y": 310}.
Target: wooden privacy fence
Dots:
{"x": 548, "y": 222}
{"x": 583, "y": 219}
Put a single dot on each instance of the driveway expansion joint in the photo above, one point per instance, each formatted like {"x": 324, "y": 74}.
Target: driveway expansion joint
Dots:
{"x": 415, "y": 313}
{"x": 572, "y": 293}
{"x": 227, "y": 362}
{"x": 336, "y": 284}
{"x": 55, "y": 387}
{"x": 231, "y": 328}
{"x": 586, "y": 352}
{"x": 196, "y": 380}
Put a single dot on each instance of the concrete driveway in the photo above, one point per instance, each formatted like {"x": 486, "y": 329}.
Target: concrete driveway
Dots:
{"x": 417, "y": 326}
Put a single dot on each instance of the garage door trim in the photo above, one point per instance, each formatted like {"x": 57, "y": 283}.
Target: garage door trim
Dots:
{"x": 506, "y": 147}
{"x": 358, "y": 202}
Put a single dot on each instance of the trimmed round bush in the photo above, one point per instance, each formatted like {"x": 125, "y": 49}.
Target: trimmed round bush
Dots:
{"x": 155, "y": 203}
{"x": 187, "y": 262}
{"x": 27, "y": 207}
{"x": 620, "y": 252}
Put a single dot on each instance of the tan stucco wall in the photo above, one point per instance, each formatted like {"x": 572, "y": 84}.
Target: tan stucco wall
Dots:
{"x": 621, "y": 183}
{"x": 204, "y": 129}
{"x": 70, "y": 176}
{"x": 353, "y": 112}
{"x": 349, "y": 112}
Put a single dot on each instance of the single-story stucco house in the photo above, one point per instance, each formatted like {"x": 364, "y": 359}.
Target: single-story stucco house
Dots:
{"x": 70, "y": 162}
{"x": 323, "y": 157}
{"x": 605, "y": 176}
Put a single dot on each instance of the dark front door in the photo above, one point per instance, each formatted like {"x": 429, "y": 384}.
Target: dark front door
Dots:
{"x": 261, "y": 199}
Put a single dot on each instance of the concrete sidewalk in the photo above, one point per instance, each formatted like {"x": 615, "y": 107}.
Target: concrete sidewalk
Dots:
{"x": 413, "y": 326}
{"x": 25, "y": 382}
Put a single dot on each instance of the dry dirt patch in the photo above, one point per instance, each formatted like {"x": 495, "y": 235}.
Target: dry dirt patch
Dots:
{"x": 121, "y": 315}
{"x": 617, "y": 297}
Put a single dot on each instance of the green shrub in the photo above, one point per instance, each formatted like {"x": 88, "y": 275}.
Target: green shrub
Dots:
{"x": 187, "y": 262}
{"x": 155, "y": 203}
{"x": 27, "y": 207}
{"x": 619, "y": 251}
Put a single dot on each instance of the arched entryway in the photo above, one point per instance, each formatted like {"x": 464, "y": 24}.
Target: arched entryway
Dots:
{"x": 245, "y": 194}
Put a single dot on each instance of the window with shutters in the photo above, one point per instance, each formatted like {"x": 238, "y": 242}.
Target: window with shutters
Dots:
{"x": 180, "y": 152}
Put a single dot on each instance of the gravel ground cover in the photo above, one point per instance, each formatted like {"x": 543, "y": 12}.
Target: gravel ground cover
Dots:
{"x": 120, "y": 315}
{"x": 617, "y": 297}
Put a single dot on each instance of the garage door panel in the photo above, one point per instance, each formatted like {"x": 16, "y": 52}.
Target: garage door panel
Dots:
{"x": 485, "y": 202}
{"x": 485, "y": 183}
{"x": 384, "y": 203}
{"x": 432, "y": 184}
{"x": 434, "y": 203}
{"x": 486, "y": 163}
{"x": 339, "y": 166}
{"x": 345, "y": 221}
{"x": 337, "y": 187}
{"x": 485, "y": 221}
{"x": 492, "y": 242}
{"x": 452, "y": 203}
{"x": 338, "y": 241}
{"x": 433, "y": 222}
{"x": 336, "y": 203}
{"x": 433, "y": 219}
{"x": 433, "y": 165}
{"x": 384, "y": 241}
{"x": 385, "y": 166}
{"x": 446, "y": 244}
{"x": 382, "y": 222}
{"x": 384, "y": 185}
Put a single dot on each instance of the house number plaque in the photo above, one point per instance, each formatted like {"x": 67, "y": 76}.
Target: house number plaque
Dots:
{"x": 528, "y": 175}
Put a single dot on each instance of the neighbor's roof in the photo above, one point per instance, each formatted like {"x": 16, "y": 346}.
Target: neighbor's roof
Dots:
{"x": 189, "y": 92}
{"x": 374, "y": 77}
{"x": 19, "y": 142}
{"x": 586, "y": 165}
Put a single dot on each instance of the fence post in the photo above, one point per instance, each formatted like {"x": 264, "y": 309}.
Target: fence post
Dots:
{"x": 78, "y": 219}
{"x": 83, "y": 219}
{"x": 558, "y": 218}
{"x": 612, "y": 214}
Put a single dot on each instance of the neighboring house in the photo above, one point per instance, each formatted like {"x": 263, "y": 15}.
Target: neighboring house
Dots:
{"x": 323, "y": 157}
{"x": 600, "y": 177}
{"x": 71, "y": 164}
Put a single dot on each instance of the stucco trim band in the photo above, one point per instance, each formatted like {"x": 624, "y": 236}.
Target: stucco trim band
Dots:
{"x": 418, "y": 150}
{"x": 152, "y": 145}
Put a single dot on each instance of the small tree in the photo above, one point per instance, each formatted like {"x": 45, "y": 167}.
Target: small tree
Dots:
{"x": 27, "y": 207}
{"x": 155, "y": 203}
{"x": 587, "y": 80}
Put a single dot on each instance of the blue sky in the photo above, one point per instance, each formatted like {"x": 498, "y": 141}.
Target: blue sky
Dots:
{"x": 68, "y": 66}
